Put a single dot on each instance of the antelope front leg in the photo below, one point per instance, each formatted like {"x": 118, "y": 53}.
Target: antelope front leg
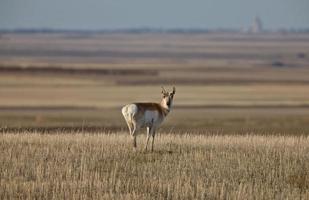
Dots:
{"x": 148, "y": 136}
{"x": 133, "y": 135}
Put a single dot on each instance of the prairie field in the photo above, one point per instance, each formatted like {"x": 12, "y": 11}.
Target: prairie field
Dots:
{"x": 239, "y": 127}
{"x": 104, "y": 166}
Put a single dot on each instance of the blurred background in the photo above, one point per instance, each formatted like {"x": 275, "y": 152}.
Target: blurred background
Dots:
{"x": 239, "y": 67}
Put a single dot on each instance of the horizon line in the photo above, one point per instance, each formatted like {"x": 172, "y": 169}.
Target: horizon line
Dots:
{"x": 145, "y": 29}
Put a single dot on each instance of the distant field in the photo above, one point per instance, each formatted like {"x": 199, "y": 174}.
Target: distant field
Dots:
{"x": 91, "y": 106}
{"x": 23, "y": 93}
{"x": 218, "y": 121}
{"x": 171, "y": 58}
{"x": 225, "y": 82}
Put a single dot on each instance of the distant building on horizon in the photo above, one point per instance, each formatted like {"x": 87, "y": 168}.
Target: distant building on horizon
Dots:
{"x": 257, "y": 26}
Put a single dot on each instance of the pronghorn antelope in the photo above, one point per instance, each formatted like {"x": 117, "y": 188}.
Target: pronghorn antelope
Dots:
{"x": 149, "y": 115}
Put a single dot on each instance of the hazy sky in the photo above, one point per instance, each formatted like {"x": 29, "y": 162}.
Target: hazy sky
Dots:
{"x": 110, "y": 14}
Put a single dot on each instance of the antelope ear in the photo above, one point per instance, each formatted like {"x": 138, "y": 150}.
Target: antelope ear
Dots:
{"x": 163, "y": 90}
{"x": 174, "y": 90}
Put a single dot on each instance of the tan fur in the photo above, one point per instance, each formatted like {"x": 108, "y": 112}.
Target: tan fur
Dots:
{"x": 142, "y": 107}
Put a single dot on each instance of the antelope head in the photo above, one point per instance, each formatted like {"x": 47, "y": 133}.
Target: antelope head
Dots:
{"x": 167, "y": 98}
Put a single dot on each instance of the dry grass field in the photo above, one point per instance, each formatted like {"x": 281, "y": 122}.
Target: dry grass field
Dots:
{"x": 238, "y": 130}
{"x": 104, "y": 166}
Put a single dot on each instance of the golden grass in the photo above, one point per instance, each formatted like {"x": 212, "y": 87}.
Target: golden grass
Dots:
{"x": 103, "y": 166}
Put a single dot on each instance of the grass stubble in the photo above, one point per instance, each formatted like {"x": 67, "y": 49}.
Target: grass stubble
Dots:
{"x": 187, "y": 166}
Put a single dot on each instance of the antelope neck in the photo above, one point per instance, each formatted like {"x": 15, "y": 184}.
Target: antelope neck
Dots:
{"x": 164, "y": 109}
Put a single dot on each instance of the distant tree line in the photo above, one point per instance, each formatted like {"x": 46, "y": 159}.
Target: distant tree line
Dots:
{"x": 144, "y": 30}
